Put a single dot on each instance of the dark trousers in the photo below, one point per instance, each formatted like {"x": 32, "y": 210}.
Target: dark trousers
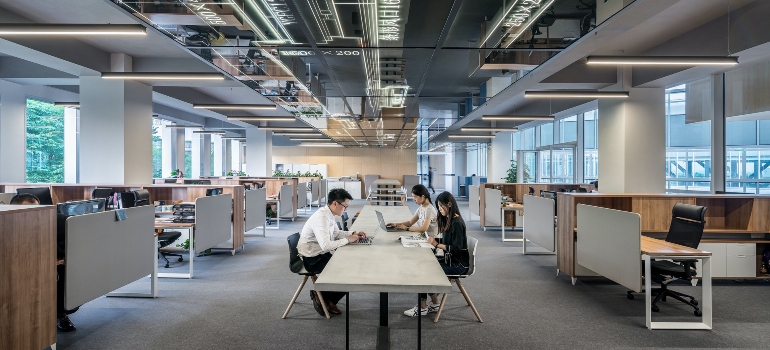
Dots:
{"x": 316, "y": 264}
{"x": 60, "y": 282}
{"x": 449, "y": 270}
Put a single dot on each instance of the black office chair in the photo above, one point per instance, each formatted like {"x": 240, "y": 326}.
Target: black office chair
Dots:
{"x": 297, "y": 266}
{"x": 531, "y": 191}
{"x": 582, "y": 190}
{"x": 164, "y": 240}
{"x": 686, "y": 229}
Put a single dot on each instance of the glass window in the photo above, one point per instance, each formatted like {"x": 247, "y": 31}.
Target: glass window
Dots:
{"x": 187, "y": 156}
{"x": 688, "y": 152}
{"x": 157, "y": 149}
{"x": 568, "y": 129}
{"x": 590, "y": 146}
{"x": 546, "y": 134}
{"x": 529, "y": 139}
{"x": 741, "y": 133}
{"x": 45, "y": 142}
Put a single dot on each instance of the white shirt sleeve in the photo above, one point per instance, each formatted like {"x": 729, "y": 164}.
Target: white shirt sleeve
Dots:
{"x": 327, "y": 235}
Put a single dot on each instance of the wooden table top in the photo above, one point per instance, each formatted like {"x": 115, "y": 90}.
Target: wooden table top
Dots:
{"x": 161, "y": 224}
{"x": 659, "y": 247}
{"x": 513, "y": 206}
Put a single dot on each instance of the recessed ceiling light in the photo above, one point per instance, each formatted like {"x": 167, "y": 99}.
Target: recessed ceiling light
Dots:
{"x": 72, "y": 29}
{"x": 575, "y": 94}
{"x": 663, "y": 60}
{"x": 162, "y": 76}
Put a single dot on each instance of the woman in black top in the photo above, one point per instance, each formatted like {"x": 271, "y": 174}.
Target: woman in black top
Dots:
{"x": 455, "y": 260}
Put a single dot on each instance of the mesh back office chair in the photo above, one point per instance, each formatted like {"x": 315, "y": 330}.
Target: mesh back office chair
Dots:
{"x": 296, "y": 266}
{"x": 582, "y": 190}
{"x": 472, "y": 245}
{"x": 686, "y": 229}
{"x": 164, "y": 240}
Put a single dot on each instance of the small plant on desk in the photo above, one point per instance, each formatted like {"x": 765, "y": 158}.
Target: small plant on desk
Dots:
{"x": 185, "y": 245}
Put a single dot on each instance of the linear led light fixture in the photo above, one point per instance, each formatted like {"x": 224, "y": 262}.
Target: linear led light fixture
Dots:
{"x": 285, "y": 128}
{"x": 72, "y": 29}
{"x": 67, "y": 104}
{"x": 491, "y": 129}
{"x": 183, "y": 126}
{"x": 233, "y": 138}
{"x": 233, "y": 106}
{"x": 318, "y": 144}
{"x": 307, "y": 139}
{"x": 263, "y": 119}
{"x": 297, "y": 134}
{"x": 471, "y": 136}
{"x": 517, "y": 117}
{"x": 208, "y": 132}
{"x": 575, "y": 94}
{"x": 161, "y": 76}
{"x": 663, "y": 60}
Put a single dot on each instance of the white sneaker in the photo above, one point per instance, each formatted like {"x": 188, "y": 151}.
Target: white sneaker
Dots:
{"x": 433, "y": 307}
{"x": 413, "y": 311}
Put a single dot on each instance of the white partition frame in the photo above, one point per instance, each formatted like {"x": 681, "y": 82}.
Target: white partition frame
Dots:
{"x": 286, "y": 205}
{"x": 473, "y": 202}
{"x": 609, "y": 242}
{"x": 103, "y": 254}
{"x": 256, "y": 202}
{"x": 492, "y": 213}
{"x": 302, "y": 196}
{"x": 277, "y": 217}
{"x": 539, "y": 224}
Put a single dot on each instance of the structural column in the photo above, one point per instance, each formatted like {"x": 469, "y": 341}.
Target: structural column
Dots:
{"x": 219, "y": 156}
{"x": 718, "y": 159}
{"x": 206, "y": 155}
{"x": 115, "y": 131}
{"x": 259, "y": 152}
{"x": 13, "y": 133}
{"x": 71, "y": 135}
{"x": 197, "y": 153}
{"x": 228, "y": 154}
{"x": 632, "y": 143}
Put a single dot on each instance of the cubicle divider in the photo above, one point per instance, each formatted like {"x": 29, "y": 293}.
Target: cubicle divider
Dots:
{"x": 256, "y": 204}
{"x": 473, "y": 201}
{"x": 515, "y": 192}
{"x": 492, "y": 213}
{"x": 212, "y": 221}
{"x": 539, "y": 224}
{"x": 609, "y": 243}
{"x": 323, "y": 191}
{"x": 104, "y": 254}
{"x": 286, "y": 200}
{"x": 302, "y": 196}
{"x": 409, "y": 182}
{"x": 315, "y": 193}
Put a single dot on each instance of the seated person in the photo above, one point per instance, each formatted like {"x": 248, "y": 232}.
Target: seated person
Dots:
{"x": 318, "y": 240}
{"x": 456, "y": 258}
{"x": 25, "y": 199}
{"x": 424, "y": 219}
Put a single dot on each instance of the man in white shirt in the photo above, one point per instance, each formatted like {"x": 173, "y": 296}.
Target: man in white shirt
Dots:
{"x": 320, "y": 237}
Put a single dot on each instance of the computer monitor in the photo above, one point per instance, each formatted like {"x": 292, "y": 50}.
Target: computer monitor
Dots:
{"x": 102, "y": 193}
{"x": 43, "y": 194}
{"x": 214, "y": 191}
{"x": 247, "y": 186}
{"x": 81, "y": 207}
{"x": 170, "y": 181}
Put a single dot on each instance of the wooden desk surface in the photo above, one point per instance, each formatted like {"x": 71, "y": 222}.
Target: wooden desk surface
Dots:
{"x": 513, "y": 206}
{"x": 658, "y": 247}
{"x": 160, "y": 224}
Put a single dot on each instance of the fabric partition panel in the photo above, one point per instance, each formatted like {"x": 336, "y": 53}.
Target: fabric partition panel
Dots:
{"x": 609, "y": 243}
{"x": 368, "y": 180}
{"x": 103, "y": 254}
{"x": 314, "y": 189}
{"x": 302, "y": 195}
{"x": 255, "y": 208}
{"x": 409, "y": 182}
{"x": 473, "y": 200}
{"x": 492, "y": 213}
{"x": 539, "y": 225}
{"x": 287, "y": 204}
{"x": 212, "y": 221}
{"x": 322, "y": 191}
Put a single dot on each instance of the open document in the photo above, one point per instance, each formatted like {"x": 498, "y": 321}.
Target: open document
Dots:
{"x": 415, "y": 241}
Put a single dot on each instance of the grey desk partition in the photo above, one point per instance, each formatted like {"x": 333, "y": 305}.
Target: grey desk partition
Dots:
{"x": 255, "y": 209}
{"x": 368, "y": 180}
{"x": 302, "y": 195}
{"x": 473, "y": 200}
{"x": 609, "y": 243}
{"x": 409, "y": 182}
{"x": 539, "y": 225}
{"x": 287, "y": 205}
{"x": 103, "y": 254}
{"x": 323, "y": 191}
{"x": 212, "y": 221}
{"x": 492, "y": 213}
{"x": 314, "y": 192}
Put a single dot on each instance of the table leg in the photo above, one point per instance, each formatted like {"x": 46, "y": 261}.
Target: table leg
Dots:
{"x": 419, "y": 323}
{"x": 347, "y": 320}
{"x": 647, "y": 290}
{"x": 383, "y": 332}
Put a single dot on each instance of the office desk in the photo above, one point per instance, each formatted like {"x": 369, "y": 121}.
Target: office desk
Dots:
{"x": 659, "y": 249}
{"x": 190, "y": 228}
{"x": 383, "y": 267}
{"x": 515, "y": 208}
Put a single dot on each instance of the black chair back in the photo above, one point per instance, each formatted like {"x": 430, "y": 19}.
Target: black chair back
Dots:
{"x": 166, "y": 238}
{"x": 43, "y": 194}
{"x": 531, "y": 190}
{"x": 582, "y": 190}
{"x": 345, "y": 218}
{"x": 687, "y": 223}
{"x": 295, "y": 262}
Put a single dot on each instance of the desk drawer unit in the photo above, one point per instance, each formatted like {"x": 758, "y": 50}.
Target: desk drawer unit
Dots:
{"x": 718, "y": 259}
{"x": 731, "y": 259}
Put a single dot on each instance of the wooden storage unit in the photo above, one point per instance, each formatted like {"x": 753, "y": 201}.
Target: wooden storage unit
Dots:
{"x": 387, "y": 192}
{"x": 27, "y": 276}
{"x": 516, "y": 191}
{"x": 737, "y": 227}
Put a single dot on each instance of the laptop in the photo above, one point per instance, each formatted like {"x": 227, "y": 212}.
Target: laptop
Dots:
{"x": 5, "y": 198}
{"x": 383, "y": 225}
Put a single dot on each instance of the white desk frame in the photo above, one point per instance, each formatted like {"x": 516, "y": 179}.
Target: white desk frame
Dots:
{"x": 502, "y": 224}
{"x": 277, "y": 216}
{"x": 191, "y": 254}
{"x": 706, "y": 298}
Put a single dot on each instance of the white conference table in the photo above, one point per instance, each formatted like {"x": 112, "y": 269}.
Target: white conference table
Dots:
{"x": 383, "y": 267}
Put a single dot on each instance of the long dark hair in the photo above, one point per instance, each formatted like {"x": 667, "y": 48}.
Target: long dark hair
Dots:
{"x": 448, "y": 200}
{"x": 420, "y": 190}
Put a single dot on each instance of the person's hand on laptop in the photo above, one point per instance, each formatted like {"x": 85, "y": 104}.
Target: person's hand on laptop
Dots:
{"x": 360, "y": 234}
{"x": 353, "y": 237}
{"x": 402, "y": 227}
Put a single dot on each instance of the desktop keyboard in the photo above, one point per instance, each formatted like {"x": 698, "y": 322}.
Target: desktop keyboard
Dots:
{"x": 184, "y": 220}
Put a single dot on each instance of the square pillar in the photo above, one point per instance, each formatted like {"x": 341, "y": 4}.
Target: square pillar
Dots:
{"x": 13, "y": 133}
{"x": 259, "y": 156}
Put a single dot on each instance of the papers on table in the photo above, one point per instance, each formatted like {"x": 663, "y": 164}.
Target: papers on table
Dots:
{"x": 412, "y": 242}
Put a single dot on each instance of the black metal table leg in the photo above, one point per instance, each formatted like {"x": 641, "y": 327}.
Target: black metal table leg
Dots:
{"x": 419, "y": 323}
{"x": 383, "y": 332}
{"x": 347, "y": 320}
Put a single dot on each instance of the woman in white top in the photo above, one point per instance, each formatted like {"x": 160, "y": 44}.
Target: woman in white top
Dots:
{"x": 424, "y": 219}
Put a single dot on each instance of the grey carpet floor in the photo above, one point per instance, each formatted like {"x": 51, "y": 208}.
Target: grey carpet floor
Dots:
{"x": 236, "y": 302}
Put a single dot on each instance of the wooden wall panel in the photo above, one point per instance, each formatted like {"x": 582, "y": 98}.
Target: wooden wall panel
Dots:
{"x": 389, "y": 163}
